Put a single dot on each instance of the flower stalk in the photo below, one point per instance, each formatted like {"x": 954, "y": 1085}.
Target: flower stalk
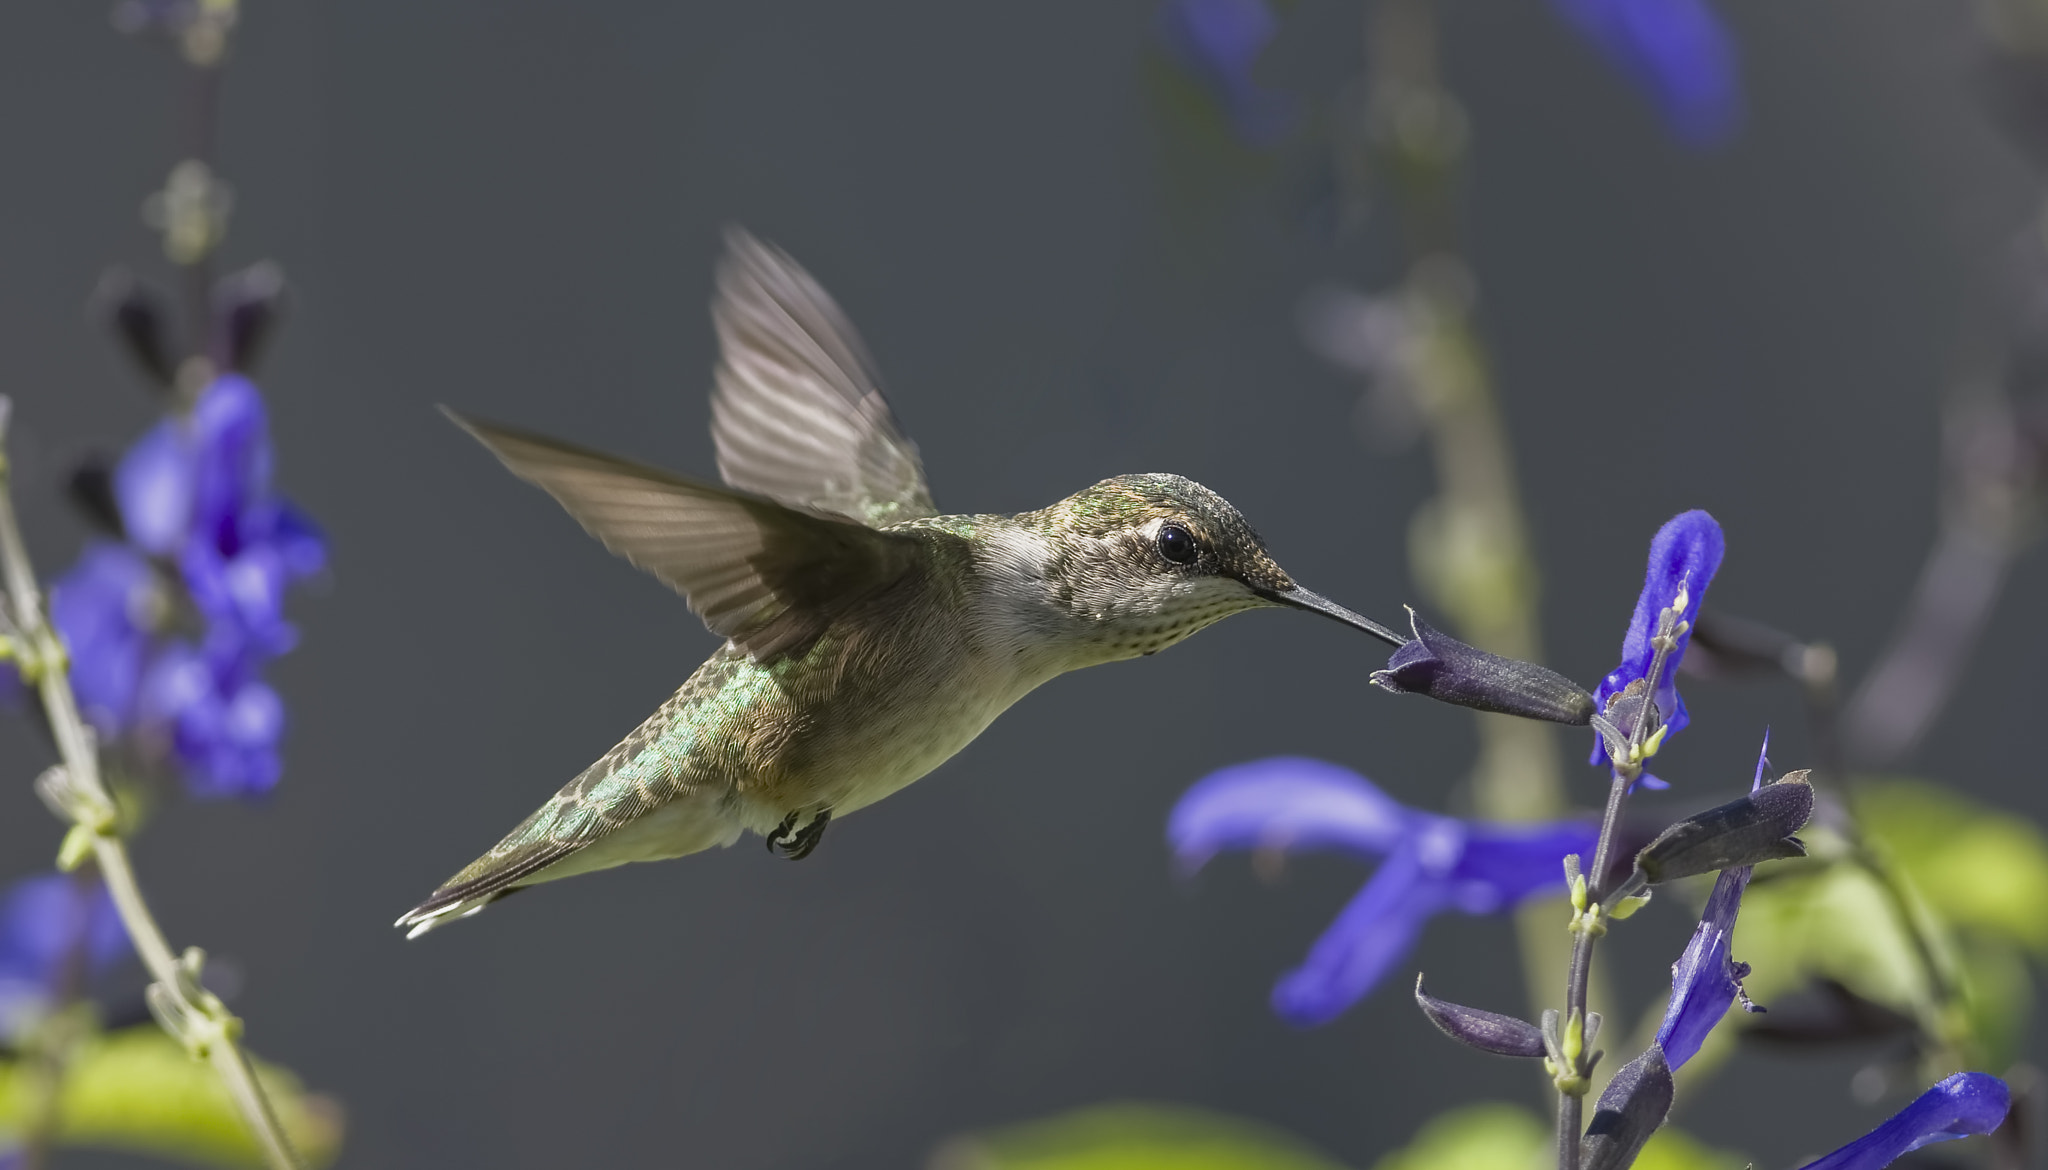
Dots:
{"x": 75, "y": 790}
{"x": 1589, "y": 920}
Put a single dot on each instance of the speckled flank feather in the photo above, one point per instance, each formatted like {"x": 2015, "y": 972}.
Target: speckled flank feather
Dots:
{"x": 647, "y": 769}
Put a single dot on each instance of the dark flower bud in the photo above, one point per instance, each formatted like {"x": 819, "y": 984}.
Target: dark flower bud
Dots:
{"x": 1484, "y": 1030}
{"x": 137, "y": 314}
{"x": 1634, "y": 1105}
{"x": 1757, "y": 827}
{"x": 1828, "y": 1013}
{"x": 246, "y": 308}
{"x": 91, "y": 488}
{"x": 1723, "y": 644}
{"x": 1440, "y": 666}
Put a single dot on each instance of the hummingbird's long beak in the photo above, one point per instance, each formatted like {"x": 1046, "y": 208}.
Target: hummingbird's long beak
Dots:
{"x": 1299, "y": 598}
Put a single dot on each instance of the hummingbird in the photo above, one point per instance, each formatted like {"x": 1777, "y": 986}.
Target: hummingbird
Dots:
{"x": 868, "y": 637}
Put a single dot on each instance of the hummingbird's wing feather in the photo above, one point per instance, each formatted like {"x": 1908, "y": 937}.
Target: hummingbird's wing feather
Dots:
{"x": 769, "y": 577}
{"x": 796, "y": 413}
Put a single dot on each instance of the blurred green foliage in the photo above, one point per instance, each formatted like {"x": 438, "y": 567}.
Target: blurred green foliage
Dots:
{"x": 137, "y": 1090}
{"x": 1984, "y": 870}
{"x": 1497, "y": 1136}
{"x": 1133, "y": 1136}
{"x": 1492, "y": 1136}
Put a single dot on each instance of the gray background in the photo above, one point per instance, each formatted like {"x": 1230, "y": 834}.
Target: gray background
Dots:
{"x": 514, "y": 206}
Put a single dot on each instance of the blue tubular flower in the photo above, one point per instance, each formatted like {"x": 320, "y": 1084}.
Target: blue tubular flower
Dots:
{"x": 105, "y": 608}
{"x": 194, "y": 495}
{"x": 44, "y": 922}
{"x": 1707, "y": 979}
{"x": 1683, "y": 557}
{"x": 1217, "y": 41}
{"x": 1433, "y": 863}
{"x": 1964, "y": 1105}
{"x": 221, "y": 720}
{"x": 1676, "y": 50}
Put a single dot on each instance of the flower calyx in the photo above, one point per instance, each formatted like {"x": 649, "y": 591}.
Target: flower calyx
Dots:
{"x": 1756, "y": 827}
{"x": 1566, "y": 1058}
{"x": 1493, "y": 1032}
{"x": 1437, "y": 665}
{"x": 193, "y": 1015}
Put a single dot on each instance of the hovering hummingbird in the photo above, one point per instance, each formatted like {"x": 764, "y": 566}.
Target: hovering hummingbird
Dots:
{"x": 867, "y": 637}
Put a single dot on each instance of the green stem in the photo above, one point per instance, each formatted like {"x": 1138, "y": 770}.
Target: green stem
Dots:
{"x": 1470, "y": 544}
{"x": 1590, "y": 923}
{"x": 191, "y": 1014}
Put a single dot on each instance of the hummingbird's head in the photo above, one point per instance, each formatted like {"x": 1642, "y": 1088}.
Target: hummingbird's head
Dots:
{"x": 1136, "y": 563}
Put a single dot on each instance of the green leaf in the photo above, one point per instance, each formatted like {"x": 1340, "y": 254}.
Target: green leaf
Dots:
{"x": 137, "y": 1090}
{"x": 1998, "y": 999}
{"x": 1492, "y": 1136}
{"x": 1982, "y": 868}
{"x": 1834, "y": 920}
{"x": 1133, "y": 1136}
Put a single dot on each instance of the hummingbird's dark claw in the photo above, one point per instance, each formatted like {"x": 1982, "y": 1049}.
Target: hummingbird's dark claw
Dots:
{"x": 794, "y": 843}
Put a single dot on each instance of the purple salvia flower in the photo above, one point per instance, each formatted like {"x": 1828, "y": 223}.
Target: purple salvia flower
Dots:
{"x": 44, "y": 921}
{"x": 195, "y": 496}
{"x": 1964, "y": 1105}
{"x": 1684, "y": 554}
{"x": 221, "y": 721}
{"x": 1217, "y": 41}
{"x": 1707, "y": 979}
{"x": 1676, "y": 51}
{"x": 1432, "y": 864}
{"x": 105, "y": 609}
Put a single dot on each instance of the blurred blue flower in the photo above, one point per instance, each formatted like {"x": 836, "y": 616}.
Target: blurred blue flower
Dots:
{"x": 1432, "y": 864}
{"x": 1707, "y": 979}
{"x": 1684, "y": 554}
{"x": 1217, "y": 41}
{"x": 46, "y": 923}
{"x": 107, "y": 607}
{"x": 1964, "y": 1105}
{"x": 195, "y": 498}
{"x": 1677, "y": 51}
{"x": 223, "y": 722}
{"x": 197, "y": 491}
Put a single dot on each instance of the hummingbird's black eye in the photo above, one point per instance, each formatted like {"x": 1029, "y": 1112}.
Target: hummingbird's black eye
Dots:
{"x": 1178, "y": 545}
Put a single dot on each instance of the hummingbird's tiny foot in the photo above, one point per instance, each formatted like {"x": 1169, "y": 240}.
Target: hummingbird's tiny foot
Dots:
{"x": 796, "y": 843}
{"x": 782, "y": 832}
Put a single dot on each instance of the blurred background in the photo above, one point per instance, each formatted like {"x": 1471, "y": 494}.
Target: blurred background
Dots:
{"x": 1067, "y": 268}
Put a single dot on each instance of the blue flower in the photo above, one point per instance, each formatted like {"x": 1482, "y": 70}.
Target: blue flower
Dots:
{"x": 1707, "y": 979}
{"x": 199, "y": 512}
{"x": 1965, "y": 1104}
{"x": 197, "y": 491}
{"x": 106, "y": 608}
{"x": 1217, "y": 41}
{"x": 1676, "y": 50}
{"x": 221, "y": 720}
{"x": 1683, "y": 556}
{"x": 1432, "y": 864}
{"x": 46, "y": 923}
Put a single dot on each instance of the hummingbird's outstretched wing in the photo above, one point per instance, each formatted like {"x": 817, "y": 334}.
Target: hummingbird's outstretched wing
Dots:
{"x": 795, "y": 413}
{"x": 769, "y": 577}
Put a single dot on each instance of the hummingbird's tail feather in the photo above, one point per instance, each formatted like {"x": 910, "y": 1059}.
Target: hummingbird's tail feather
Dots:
{"x": 464, "y": 894}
